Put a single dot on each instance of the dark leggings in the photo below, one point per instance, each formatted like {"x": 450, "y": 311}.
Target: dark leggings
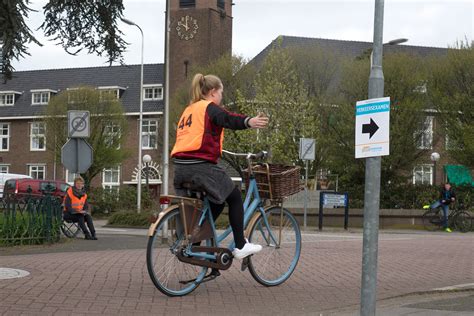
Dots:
{"x": 81, "y": 219}
{"x": 236, "y": 215}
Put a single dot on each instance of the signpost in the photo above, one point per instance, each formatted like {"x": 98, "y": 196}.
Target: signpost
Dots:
{"x": 372, "y": 128}
{"x": 333, "y": 199}
{"x": 77, "y": 154}
{"x": 307, "y": 152}
{"x": 78, "y": 124}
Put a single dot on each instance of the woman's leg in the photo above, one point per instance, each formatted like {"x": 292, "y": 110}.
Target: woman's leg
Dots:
{"x": 236, "y": 217}
{"x": 90, "y": 224}
{"x": 80, "y": 220}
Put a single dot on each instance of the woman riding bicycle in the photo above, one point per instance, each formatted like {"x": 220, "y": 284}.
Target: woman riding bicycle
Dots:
{"x": 447, "y": 196}
{"x": 199, "y": 139}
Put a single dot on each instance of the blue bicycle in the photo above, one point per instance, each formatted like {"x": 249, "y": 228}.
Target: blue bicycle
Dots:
{"x": 183, "y": 243}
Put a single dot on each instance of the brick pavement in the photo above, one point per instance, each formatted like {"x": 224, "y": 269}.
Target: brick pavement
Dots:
{"x": 328, "y": 277}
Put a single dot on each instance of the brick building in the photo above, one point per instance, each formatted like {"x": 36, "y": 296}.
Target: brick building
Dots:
{"x": 200, "y": 32}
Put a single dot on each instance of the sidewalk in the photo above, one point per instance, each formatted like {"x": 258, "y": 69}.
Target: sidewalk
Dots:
{"x": 110, "y": 275}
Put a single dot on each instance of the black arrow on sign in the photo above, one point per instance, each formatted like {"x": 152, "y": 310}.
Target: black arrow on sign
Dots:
{"x": 370, "y": 128}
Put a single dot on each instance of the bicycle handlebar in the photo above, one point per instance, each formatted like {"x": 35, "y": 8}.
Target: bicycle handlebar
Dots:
{"x": 248, "y": 156}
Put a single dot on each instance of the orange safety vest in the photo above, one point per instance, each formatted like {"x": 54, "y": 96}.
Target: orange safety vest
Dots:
{"x": 191, "y": 132}
{"x": 77, "y": 204}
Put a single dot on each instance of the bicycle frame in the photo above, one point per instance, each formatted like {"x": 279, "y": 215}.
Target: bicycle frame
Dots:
{"x": 251, "y": 206}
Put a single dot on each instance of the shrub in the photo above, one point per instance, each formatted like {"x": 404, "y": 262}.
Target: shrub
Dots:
{"x": 130, "y": 219}
{"x": 108, "y": 202}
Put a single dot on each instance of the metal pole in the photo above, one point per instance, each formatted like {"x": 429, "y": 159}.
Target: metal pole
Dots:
{"x": 147, "y": 177}
{"x": 167, "y": 103}
{"x": 434, "y": 172}
{"x": 140, "y": 127}
{"x": 305, "y": 193}
{"x": 372, "y": 180}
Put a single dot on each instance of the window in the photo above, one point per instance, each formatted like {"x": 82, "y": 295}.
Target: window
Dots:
{"x": 4, "y": 136}
{"x": 421, "y": 88}
{"x": 111, "y": 179}
{"x": 424, "y": 135}
{"x": 38, "y": 136}
{"x": 74, "y": 95}
{"x": 423, "y": 174}
{"x": 187, "y": 3}
{"x": 7, "y": 99}
{"x": 38, "y": 98}
{"x": 149, "y": 134}
{"x": 152, "y": 93}
{"x": 37, "y": 171}
{"x": 70, "y": 176}
{"x": 108, "y": 94}
{"x": 221, "y": 4}
{"x": 112, "y": 133}
{"x": 4, "y": 168}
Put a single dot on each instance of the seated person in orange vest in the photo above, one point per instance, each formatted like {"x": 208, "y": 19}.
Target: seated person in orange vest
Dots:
{"x": 76, "y": 208}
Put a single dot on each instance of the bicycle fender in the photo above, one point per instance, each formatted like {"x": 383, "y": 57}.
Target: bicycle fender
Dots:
{"x": 152, "y": 228}
{"x": 255, "y": 218}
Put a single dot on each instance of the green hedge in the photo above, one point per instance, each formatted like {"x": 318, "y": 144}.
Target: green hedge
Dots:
{"x": 107, "y": 202}
{"x": 29, "y": 223}
{"x": 134, "y": 219}
{"x": 408, "y": 196}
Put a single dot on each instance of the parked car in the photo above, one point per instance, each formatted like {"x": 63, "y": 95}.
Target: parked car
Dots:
{"x": 35, "y": 188}
{"x": 6, "y": 176}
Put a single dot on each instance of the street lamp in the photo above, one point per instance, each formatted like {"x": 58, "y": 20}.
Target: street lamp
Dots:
{"x": 391, "y": 43}
{"x": 140, "y": 123}
{"x": 434, "y": 158}
{"x": 372, "y": 176}
{"x": 146, "y": 160}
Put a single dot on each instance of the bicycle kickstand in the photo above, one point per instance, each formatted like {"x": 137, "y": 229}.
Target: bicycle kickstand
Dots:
{"x": 211, "y": 276}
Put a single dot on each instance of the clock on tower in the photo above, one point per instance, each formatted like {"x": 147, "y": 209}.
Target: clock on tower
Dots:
{"x": 200, "y": 32}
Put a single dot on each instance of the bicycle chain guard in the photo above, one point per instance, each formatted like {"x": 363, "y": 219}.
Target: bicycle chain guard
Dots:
{"x": 223, "y": 255}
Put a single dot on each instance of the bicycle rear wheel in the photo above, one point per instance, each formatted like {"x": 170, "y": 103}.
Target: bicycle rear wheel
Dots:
{"x": 280, "y": 254}
{"x": 170, "y": 275}
{"x": 463, "y": 222}
{"x": 432, "y": 219}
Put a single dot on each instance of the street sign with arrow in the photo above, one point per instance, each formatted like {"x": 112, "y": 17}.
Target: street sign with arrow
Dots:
{"x": 372, "y": 128}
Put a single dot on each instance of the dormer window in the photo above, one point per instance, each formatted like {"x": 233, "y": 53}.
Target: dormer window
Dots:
{"x": 41, "y": 97}
{"x": 110, "y": 92}
{"x": 7, "y": 98}
{"x": 72, "y": 95}
{"x": 152, "y": 92}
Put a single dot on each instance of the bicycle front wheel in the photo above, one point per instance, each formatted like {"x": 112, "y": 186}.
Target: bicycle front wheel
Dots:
{"x": 279, "y": 234}
{"x": 432, "y": 220}
{"x": 463, "y": 222}
{"x": 171, "y": 276}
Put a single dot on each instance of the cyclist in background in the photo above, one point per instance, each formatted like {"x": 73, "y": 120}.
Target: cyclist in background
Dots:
{"x": 199, "y": 138}
{"x": 447, "y": 196}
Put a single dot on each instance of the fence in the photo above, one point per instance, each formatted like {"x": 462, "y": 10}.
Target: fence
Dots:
{"x": 29, "y": 221}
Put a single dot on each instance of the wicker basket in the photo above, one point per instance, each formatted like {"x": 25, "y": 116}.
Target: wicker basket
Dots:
{"x": 275, "y": 181}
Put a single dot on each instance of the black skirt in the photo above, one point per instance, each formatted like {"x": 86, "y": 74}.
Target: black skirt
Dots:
{"x": 204, "y": 176}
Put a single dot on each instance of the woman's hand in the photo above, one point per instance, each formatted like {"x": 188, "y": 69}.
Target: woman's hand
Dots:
{"x": 259, "y": 121}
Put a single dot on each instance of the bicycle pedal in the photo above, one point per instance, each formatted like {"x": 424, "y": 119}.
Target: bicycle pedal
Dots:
{"x": 245, "y": 263}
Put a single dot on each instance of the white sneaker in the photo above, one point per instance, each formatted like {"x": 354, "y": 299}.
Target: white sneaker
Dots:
{"x": 247, "y": 250}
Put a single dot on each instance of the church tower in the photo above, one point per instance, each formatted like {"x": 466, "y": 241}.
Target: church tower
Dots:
{"x": 200, "y": 32}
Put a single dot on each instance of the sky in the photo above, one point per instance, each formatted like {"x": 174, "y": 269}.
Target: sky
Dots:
{"x": 257, "y": 22}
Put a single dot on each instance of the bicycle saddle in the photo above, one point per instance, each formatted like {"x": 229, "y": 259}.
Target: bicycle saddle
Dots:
{"x": 193, "y": 190}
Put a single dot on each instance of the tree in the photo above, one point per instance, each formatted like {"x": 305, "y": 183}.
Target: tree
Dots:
{"x": 237, "y": 77}
{"x": 403, "y": 74}
{"x": 75, "y": 24}
{"x": 451, "y": 89}
{"x": 281, "y": 95}
{"x": 108, "y": 126}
